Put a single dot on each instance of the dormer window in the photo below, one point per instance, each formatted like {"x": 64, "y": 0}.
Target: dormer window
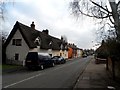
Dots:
{"x": 61, "y": 47}
{"x": 50, "y": 44}
{"x": 37, "y": 41}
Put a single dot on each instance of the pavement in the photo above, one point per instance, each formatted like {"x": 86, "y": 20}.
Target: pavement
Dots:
{"x": 9, "y": 70}
{"x": 96, "y": 76}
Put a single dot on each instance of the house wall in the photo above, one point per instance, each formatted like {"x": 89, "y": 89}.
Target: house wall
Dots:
{"x": 70, "y": 52}
{"x": 110, "y": 65}
{"x": 79, "y": 53}
{"x": 117, "y": 70}
{"x": 49, "y": 51}
{"x": 12, "y": 49}
{"x": 52, "y": 52}
{"x": 37, "y": 50}
{"x": 64, "y": 53}
{"x": 55, "y": 53}
{"x": 114, "y": 68}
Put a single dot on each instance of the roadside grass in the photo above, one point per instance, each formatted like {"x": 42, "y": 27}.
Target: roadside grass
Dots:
{"x": 5, "y": 66}
{"x": 0, "y": 66}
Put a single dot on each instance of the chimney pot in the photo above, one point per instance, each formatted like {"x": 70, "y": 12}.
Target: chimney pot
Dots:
{"x": 46, "y": 31}
{"x": 33, "y": 25}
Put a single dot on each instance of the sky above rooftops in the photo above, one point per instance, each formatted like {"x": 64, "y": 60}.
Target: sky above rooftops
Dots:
{"x": 55, "y": 16}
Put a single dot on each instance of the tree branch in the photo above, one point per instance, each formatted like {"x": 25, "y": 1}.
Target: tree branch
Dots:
{"x": 101, "y": 7}
{"x": 98, "y": 17}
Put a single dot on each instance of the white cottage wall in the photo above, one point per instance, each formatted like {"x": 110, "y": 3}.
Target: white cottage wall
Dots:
{"x": 11, "y": 50}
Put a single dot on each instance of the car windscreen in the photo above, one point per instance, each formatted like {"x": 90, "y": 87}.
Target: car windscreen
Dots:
{"x": 44, "y": 57}
{"x": 32, "y": 56}
{"x": 56, "y": 57}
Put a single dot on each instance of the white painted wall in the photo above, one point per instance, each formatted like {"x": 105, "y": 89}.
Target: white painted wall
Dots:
{"x": 79, "y": 53}
{"x": 21, "y": 50}
{"x": 55, "y": 53}
{"x": 64, "y": 53}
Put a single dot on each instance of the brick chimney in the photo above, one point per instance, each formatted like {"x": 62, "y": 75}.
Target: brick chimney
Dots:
{"x": 46, "y": 31}
{"x": 32, "y": 25}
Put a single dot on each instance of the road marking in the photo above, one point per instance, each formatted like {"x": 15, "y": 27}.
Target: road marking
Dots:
{"x": 23, "y": 80}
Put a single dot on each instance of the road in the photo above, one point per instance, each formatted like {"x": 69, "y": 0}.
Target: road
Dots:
{"x": 60, "y": 76}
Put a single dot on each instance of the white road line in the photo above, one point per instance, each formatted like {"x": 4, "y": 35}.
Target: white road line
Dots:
{"x": 36, "y": 75}
{"x": 23, "y": 80}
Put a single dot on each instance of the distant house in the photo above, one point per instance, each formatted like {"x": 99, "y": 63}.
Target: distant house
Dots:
{"x": 74, "y": 51}
{"x": 23, "y": 39}
{"x": 79, "y": 52}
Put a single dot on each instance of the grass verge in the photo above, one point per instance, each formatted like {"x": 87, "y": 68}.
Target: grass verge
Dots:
{"x": 5, "y": 66}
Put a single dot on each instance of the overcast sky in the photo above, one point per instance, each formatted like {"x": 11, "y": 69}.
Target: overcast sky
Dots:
{"x": 53, "y": 15}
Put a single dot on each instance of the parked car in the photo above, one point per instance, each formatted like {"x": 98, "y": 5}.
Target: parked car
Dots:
{"x": 58, "y": 60}
{"x": 35, "y": 60}
{"x": 84, "y": 55}
{"x": 100, "y": 58}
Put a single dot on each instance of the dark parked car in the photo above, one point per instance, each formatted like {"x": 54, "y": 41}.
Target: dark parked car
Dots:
{"x": 35, "y": 60}
{"x": 100, "y": 58}
{"x": 58, "y": 60}
{"x": 84, "y": 55}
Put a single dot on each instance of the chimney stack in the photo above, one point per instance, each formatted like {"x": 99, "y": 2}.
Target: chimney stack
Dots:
{"x": 46, "y": 31}
{"x": 32, "y": 25}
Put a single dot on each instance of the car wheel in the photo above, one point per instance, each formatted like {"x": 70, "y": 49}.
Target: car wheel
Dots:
{"x": 29, "y": 68}
{"x": 41, "y": 67}
{"x": 53, "y": 64}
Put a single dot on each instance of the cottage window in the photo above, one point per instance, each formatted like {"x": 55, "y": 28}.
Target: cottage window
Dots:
{"x": 16, "y": 56}
{"x": 17, "y": 42}
{"x": 37, "y": 41}
{"x": 13, "y": 42}
{"x": 50, "y": 44}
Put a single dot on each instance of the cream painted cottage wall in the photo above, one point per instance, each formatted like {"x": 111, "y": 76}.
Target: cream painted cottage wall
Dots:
{"x": 11, "y": 50}
{"x": 55, "y": 53}
{"x": 64, "y": 53}
{"x": 79, "y": 53}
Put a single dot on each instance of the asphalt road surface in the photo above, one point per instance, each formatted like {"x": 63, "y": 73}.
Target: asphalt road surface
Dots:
{"x": 60, "y": 76}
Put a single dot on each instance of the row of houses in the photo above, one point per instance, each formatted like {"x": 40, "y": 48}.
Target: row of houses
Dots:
{"x": 23, "y": 39}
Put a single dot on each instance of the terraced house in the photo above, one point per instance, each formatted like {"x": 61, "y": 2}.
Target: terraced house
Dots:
{"x": 23, "y": 39}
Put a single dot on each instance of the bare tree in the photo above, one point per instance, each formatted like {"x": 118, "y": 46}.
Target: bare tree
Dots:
{"x": 3, "y": 4}
{"x": 2, "y": 9}
{"x": 99, "y": 9}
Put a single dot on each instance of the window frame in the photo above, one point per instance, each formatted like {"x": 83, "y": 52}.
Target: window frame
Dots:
{"x": 17, "y": 42}
{"x": 13, "y": 41}
{"x": 17, "y": 56}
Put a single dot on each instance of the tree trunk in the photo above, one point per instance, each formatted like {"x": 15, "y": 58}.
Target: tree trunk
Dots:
{"x": 113, "y": 69}
{"x": 115, "y": 17}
